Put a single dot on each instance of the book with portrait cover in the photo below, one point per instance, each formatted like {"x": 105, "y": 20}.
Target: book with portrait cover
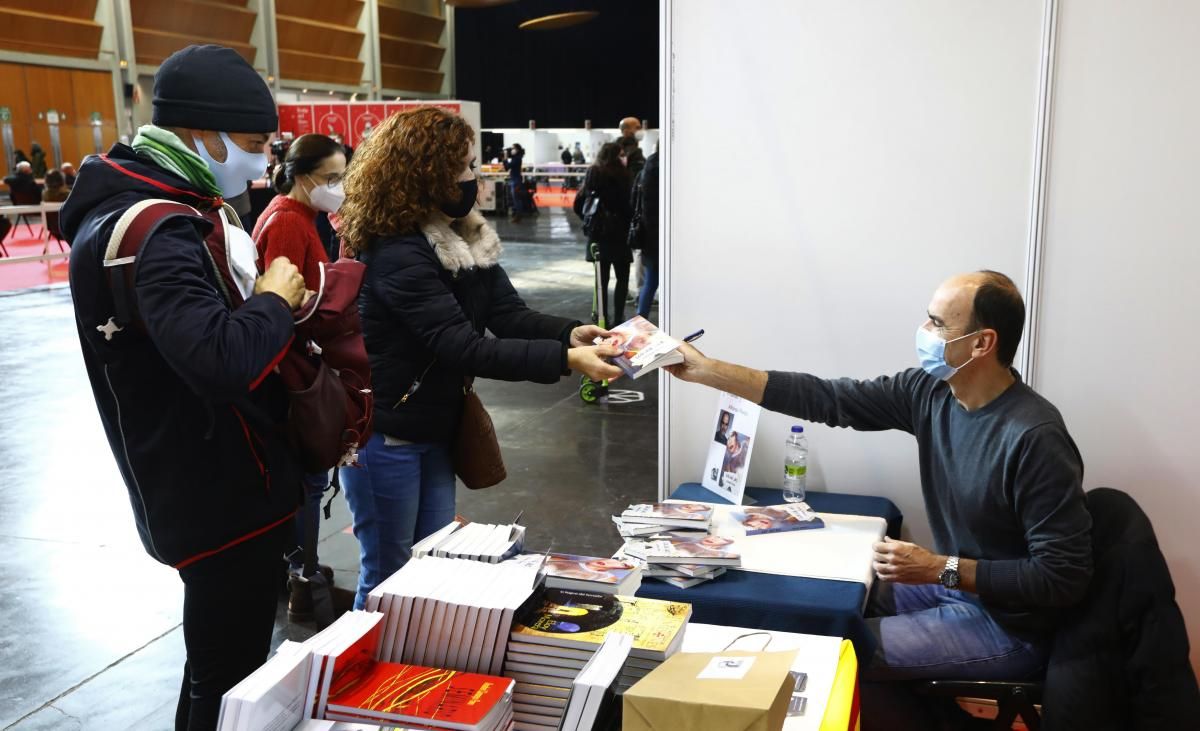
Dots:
{"x": 586, "y": 573}
{"x": 582, "y": 619}
{"x": 710, "y": 550}
{"x": 681, "y": 514}
{"x": 777, "y": 518}
{"x": 644, "y": 347}
{"x": 401, "y": 693}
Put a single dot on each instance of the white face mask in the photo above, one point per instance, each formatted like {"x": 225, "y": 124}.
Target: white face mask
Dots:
{"x": 239, "y": 166}
{"x": 639, "y": 135}
{"x": 328, "y": 198}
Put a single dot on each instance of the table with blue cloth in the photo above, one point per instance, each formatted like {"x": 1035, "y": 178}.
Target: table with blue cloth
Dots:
{"x": 784, "y": 603}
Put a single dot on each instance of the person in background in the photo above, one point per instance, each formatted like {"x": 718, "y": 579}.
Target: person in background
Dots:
{"x": 631, "y": 135}
{"x": 309, "y": 183}
{"x": 433, "y": 287}
{"x": 577, "y": 157}
{"x": 56, "y": 190}
{"x": 513, "y": 161}
{"x": 189, "y": 398}
{"x": 37, "y": 158}
{"x": 68, "y": 171}
{"x": 564, "y": 154}
{"x": 611, "y": 181}
{"x": 23, "y": 188}
{"x": 1002, "y": 483}
{"x": 647, "y": 190}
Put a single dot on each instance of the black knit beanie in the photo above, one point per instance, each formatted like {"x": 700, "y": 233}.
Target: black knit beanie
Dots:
{"x": 212, "y": 87}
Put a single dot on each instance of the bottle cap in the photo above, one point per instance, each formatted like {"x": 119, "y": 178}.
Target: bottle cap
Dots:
{"x": 797, "y": 429}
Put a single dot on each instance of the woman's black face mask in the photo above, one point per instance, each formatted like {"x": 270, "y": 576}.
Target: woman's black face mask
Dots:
{"x": 460, "y": 208}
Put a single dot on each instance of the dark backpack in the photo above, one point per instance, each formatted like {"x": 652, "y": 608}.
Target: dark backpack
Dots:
{"x": 637, "y": 226}
{"x": 325, "y": 370}
{"x": 597, "y": 219}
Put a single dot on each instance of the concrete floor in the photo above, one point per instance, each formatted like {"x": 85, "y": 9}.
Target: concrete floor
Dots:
{"x": 90, "y": 634}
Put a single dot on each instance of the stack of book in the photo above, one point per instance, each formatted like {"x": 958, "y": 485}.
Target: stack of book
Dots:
{"x": 683, "y": 559}
{"x": 473, "y": 541}
{"x": 558, "y": 631}
{"x": 273, "y": 696}
{"x": 586, "y": 573}
{"x": 648, "y": 519}
{"x": 777, "y": 518}
{"x": 451, "y": 613}
{"x": 347, "y": 682}
{"x": 593, "y": 700}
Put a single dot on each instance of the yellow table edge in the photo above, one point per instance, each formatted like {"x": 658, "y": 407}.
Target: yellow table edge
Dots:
{"x": 841, "y": 713}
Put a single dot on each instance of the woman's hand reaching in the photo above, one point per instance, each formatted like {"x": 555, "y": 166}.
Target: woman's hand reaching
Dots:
{"x": 591, "y": 362}
{"x": 586, "y": 335}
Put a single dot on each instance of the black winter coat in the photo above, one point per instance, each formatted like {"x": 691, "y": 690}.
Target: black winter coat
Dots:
{"x": 192, "y": 408}
{"x": 614, "y": 195}
{"x": 648, "y": 190}
{"x": 1120, "y": 660}
{"x": 426, "y": 302}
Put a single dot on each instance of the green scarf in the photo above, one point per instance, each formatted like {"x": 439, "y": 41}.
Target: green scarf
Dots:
{"x": 168, "y": 151}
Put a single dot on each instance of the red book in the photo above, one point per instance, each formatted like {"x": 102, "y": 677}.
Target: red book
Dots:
{"x": 399, "y": 693}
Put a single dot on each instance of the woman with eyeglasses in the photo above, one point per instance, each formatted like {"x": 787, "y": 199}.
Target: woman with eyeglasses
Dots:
{"x": 309, "y": 182}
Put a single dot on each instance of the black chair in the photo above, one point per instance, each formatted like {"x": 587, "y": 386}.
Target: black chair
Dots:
{"x": 25, "y": 197}
{"x": 1120, "y": 658}
{"x": 53, "y": 230}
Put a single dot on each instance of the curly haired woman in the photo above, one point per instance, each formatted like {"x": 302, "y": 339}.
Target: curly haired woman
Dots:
{"x": 433, "y": 286}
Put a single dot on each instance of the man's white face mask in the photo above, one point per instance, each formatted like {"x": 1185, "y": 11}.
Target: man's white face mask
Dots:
{"x": 239, "y": 166}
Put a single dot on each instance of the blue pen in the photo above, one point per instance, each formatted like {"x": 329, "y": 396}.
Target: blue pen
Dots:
{"x": 694, "y": 336}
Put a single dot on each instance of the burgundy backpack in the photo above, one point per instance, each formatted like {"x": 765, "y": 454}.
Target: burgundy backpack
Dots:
{"x": 325, "y": 370}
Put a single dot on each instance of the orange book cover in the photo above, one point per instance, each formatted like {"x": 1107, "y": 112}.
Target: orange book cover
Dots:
{"x": 400, "y": 692}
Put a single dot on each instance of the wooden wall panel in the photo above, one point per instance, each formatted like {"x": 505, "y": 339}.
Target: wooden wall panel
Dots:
{"x": 80, "y": 9}
{"x": 405, "y": 52}
{"x": 336, "y": 12}
{"x": 50, "y": 88}
{"x": 395, "y": 20}
{"x": 299, "y": 34}
{"x": 41, "y": 32}
{"x": 13, "y": 96}
{"x": 93, "y": 91}
{"x": 153, "y": 46}
{"x": 301, "y": 66}
{"x": 411, "y": 79}
{"x": 211, "y": 20}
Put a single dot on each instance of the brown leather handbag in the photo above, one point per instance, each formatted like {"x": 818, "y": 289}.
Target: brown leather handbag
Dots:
{"x": 477, "y": 459}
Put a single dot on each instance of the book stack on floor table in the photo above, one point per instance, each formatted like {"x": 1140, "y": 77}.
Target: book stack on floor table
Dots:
{"x": 586, "y": 573}
{"x": 647, "y": 519}
{"x": 683, "y": 559}
{"x": 559, "y": 631}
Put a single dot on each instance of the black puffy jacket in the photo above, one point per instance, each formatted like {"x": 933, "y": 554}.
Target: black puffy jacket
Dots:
{"x": 191, "y": 407}
{"x": 426, "y": 302}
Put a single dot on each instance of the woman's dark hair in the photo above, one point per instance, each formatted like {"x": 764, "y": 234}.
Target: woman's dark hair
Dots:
{"x": 55, "y": 179}
{"x": 305, "y": 155}
{"x": 608, "y": 161}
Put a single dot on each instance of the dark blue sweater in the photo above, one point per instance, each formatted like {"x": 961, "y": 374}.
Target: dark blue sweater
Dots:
{"x": 1002, "y": 484}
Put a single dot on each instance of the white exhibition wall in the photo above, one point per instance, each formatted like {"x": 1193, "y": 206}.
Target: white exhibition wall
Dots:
{"x": 827, "y": 169}
{"x": 1116, "y": 347}
{"x": 828, "y": 163}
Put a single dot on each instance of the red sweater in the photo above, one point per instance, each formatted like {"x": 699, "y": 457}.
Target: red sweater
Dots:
{"x": 292, "y": 232}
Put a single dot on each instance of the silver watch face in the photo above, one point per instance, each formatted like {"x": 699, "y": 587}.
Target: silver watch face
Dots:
{"x": 949, "y": 578}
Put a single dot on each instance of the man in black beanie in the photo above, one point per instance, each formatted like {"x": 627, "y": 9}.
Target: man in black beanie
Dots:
{"x": 183, "y": 379}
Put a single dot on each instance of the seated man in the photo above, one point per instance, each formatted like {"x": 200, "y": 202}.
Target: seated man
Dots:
{"x": 23, "y": 188}
{"x": 1001, "y": 479}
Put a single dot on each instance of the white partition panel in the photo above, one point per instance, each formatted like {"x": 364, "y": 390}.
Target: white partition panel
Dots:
{"x": 1117, "y": 350}
{"x": 830, "y": 162}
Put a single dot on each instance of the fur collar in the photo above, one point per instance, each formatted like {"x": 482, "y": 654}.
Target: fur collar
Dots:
{"x": 463, "y": 244}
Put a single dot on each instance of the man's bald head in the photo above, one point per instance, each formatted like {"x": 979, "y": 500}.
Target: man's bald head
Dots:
{"x": 967, "y": 303}
{"x": 629, "y": 126}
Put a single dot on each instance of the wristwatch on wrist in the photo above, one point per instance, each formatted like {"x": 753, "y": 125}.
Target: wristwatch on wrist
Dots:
{"x": 949, "y": 575}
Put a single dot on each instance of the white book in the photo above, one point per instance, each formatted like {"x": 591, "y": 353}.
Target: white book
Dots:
{"x": 531, "y": 648}
{"x": 552, "y": 704}
{"x": 692, "y": 516}
{"x": 558, "y": 672}
{"x": 563, "y": 684}
{"x": 643, "y": 347}
{"x": 422, "y": 547}
{"x": 548, "y": 660}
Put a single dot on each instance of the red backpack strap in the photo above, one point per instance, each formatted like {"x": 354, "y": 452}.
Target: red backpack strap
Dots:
{"x": 133, "y": 229}
{"x": 216, "y": 244}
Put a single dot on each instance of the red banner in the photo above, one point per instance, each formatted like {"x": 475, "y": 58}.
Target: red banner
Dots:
{"x": 352, "y": 120}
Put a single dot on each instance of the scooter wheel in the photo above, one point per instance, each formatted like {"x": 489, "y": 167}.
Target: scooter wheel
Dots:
{"x": 589, "y": 392}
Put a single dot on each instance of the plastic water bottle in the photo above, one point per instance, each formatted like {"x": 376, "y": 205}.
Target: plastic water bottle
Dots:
{"x": 795, "y": 465}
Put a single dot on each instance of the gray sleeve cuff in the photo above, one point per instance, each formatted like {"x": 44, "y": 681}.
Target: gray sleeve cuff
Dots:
{"x": 780, "y": 391}
{"x": 997, "y": 579}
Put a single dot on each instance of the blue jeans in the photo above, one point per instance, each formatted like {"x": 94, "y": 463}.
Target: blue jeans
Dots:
{"x": 398, "y": 494}
{"x": 516, "y": 191}
{"x": 935, "y": 632}
{"x": 649, "y": 285}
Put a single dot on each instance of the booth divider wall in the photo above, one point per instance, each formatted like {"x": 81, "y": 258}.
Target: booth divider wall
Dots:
{"x": 836, "y": 160}
{"x": 826, "y": 171}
